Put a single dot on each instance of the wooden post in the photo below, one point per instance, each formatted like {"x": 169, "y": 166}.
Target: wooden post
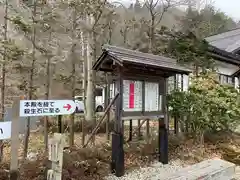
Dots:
{"x": 106, "y": 103}
{"x": 165, "y": 107}
{"x": 60, "y": 124}
{"x": 130, "y": 130}
{"x": 162, "y": 142}
{"x": 139, "y": 129}
{"x": 176, "y": 122}
{"x": 143, "y": 111}
{"x": 176, "y": 126}
{"x": 182, "y": 126}
{"x": 117, "y": 164}
{"x": 83, "y": 131}
{"x": 163, "y": 129}
{"x": 56, "y": 146}
{"x": 14, "y": 173}
{"x": 123, "y": 128}
{"x": 147, "y": 129}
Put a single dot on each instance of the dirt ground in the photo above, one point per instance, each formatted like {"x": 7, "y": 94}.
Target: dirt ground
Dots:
{"x": 93, "y": 162}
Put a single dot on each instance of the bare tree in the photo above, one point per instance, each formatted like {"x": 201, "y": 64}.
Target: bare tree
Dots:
{"x": 157, "y": 9}
{"x": 5, "y": 27}
{"x": 97, "y": 9}
{"x": 84, "y": 52}
{"x": 47, "y": 94}
{"x": 73, "y": 62}
{"x": 31, "y": 75}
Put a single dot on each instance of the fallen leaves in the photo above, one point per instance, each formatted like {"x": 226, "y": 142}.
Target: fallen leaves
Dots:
{"x": 93, "y": 162}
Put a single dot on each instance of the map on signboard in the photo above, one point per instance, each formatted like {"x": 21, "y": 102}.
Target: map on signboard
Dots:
{"x": 132, "y": 95}
{"x": 46, "y": 107}
{"x": 151, "y": 96}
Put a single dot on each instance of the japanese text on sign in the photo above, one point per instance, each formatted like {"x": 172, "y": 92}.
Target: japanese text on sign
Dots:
{"x": 46, "y": 107}
{"x": 152, "y": 97}
{"x": 132, "y": 95}
{"x": 40, "y": 107}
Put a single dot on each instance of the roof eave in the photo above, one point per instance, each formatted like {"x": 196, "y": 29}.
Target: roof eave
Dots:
{"x": 174, "y": 70}
{"x": 99, "y": 61}
{"x": 223, "y": 55}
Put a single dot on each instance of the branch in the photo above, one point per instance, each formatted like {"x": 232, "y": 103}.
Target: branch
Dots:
{"x": 151, "y": 7}
{"x": 166, "y": 6}
{"x": 165, "y": 9}
{"x": 99, "y": 15}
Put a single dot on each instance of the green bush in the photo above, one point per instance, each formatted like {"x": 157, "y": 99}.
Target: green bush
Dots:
{"x": 210, "y": 105}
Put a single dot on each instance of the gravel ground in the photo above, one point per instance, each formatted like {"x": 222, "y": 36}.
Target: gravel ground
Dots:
{"x": 154, "y": 171}
{"x": 237, "y": 176}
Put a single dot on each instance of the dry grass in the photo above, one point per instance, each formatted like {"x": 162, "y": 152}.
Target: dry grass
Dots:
{"x": 93, "y": 162}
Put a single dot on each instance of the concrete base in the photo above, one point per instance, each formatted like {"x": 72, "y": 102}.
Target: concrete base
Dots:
{"x": 215, "y": 169}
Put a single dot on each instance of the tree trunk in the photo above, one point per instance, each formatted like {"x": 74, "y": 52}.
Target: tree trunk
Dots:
{"x": 85, "y": 66}
{"x": 84, "y": 83}
{"x": 201, "y": 138}
{"x": 110, "y": 33}
{"x": 73, "y": 73}
{"x": 152, "y": 34}
{"x": 90, "y": 94}
{"x": 4, "y": 73}
{"x": 125, "y": 37}
{"x": 47, "y": 94}
{"x": 31, "y": 88}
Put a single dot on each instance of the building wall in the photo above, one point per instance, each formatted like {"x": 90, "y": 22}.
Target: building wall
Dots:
{"x": 224, "y": 70}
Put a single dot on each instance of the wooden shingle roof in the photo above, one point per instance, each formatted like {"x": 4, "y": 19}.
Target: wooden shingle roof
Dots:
{"x": 228, "y": 41}
{"x": 124, "y": 57}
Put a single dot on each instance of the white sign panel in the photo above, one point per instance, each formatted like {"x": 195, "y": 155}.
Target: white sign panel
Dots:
{"x": 30, "y": 108}
{"x": 132, "y": 95}
{"x": 5, "y": 130}
{"x": 151, "y": 96}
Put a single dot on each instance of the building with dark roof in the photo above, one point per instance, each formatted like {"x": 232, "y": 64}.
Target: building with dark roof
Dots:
{"x": 228, "y": 41}
{"x": 225, "y": 49}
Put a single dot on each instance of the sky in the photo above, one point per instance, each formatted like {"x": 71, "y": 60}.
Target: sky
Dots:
{"x": 230, "y": 7}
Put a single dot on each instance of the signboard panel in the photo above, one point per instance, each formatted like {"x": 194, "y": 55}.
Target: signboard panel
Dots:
{"x": 5, "y": 130}
{"x": 132, "y": 95}
{"x": 152, "y": 97}
{"x": 46, "y": 107}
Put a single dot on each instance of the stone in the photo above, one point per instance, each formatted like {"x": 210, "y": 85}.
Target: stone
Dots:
{"x": 214, "y": 169}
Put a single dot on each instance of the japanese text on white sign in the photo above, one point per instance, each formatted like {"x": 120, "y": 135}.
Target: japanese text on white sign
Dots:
{"x": 46, "y": 107}
{"x": 152, "y": 97}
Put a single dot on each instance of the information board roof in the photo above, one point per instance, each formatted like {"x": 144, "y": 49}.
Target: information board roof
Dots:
{"x": 124, "y": 56}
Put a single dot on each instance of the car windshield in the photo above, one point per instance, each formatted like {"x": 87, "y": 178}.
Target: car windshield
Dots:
{"x": 79, "y": 98}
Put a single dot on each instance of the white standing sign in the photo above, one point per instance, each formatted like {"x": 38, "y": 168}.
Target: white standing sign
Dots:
{"x": 46, "y": 107}
{"x": 5, "y": 130}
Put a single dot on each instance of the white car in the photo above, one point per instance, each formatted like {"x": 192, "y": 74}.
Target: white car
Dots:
{"x": 80, "y": 104}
